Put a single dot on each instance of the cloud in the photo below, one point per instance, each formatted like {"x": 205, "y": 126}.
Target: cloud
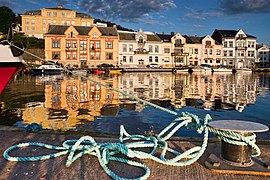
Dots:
{"x": 33, "y": 2}
{"x": 128, "y": 11}
{"x": 202, "y": 14}
{"x": 231, "y": 7}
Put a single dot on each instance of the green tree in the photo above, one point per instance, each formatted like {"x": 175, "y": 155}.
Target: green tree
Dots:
{"x": 7, "y": 16}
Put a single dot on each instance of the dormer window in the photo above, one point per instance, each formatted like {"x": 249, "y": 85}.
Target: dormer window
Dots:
{"x": 140, "y": 39}
{"x": 241, "y": 36}
{"x": 208, "y": 43}
{"x": 178, "y": 43}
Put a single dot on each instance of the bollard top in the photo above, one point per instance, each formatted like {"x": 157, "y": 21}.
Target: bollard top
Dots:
{"x": 238, "y": 126}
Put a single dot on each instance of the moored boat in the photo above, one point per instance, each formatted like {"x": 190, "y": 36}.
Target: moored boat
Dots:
{"x": 11, "y": 62}
{"x": 215, "y": 70}
{"x": 48, "y": 69}
{"x": 115, "y": 71}
{"x": 98, "y": 71}
{"x": 80, "y": 71}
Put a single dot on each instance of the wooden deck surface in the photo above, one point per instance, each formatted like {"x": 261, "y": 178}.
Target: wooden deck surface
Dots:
{"x": 88, "y": 166}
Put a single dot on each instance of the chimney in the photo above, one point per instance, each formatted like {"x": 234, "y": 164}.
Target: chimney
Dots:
{"x": 163, "y": 32}
{"x": 60, "y": 5}
{"x": 172, "y": 33}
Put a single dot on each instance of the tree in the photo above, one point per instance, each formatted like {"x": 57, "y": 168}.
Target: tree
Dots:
{"x": 7, "y": 16}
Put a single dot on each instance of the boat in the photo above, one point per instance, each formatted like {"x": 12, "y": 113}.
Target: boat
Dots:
{"x": 115, "y": 71}
{"x": 98, "y": 71}
{"x": 48, "y": 69}
{"x": 243, "y": 70}
{"x": 183, "y": 70}
{"x": 215, "y": 70}
{"x": 79, "y": 71}
{"x": 11, "y": 61}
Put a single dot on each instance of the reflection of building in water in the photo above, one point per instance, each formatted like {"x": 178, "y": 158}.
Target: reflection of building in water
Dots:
{"x": 72, "y": 100}
{"x": 147, "y": 85}
{"x": 233, "y": 91}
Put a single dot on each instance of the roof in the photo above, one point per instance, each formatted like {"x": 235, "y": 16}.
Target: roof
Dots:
{"x": 82, "y": 30}
{"x": 153, "y": 37}
{"x": 83, "y": 15}
{"x": 126, "y": 36}
{"x": 165, "y": 37}
{"x": 33, "y": 12}
{"x": 193, "y": 39}
{"x": 219, "y": 34}
{"x": 59, "y": 8}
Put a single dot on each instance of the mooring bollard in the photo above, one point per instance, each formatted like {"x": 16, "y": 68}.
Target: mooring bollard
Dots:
{"x": 237, "y": 155}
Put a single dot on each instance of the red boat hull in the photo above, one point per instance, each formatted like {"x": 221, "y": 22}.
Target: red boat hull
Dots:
{"x": 6, "y": 74}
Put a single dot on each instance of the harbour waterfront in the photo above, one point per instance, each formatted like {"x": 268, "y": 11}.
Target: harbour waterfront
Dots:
{"x": 71, "y": 103}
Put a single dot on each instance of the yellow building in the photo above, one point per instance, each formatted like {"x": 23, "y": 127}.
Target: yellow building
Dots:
{"x": 36, "y": 23}
{"x": 81, "y": 46}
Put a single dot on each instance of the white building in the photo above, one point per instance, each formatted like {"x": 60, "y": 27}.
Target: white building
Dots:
{"x": 264, "y": 56}
{"x": 139, "y": 49}
{"x": 239, "y": 48}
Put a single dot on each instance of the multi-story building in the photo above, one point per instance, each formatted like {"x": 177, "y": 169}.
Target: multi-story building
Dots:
{"x": 139, "y": 49}
{"x": 174, "y": 50}
{"x": 81, "y": 46}
{"x": 203, "y": 50}
{"x": 263, "y": 56}
{"x": 36, "y": 23}
{"x": 239, "y": 48}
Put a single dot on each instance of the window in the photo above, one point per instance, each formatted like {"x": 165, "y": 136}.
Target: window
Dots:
{"x": 63, "y": 23}
{"x": 140, "y": 39}
{"x": 130, "y": 58}
{"x": 83, "y": 45}
{"x": 63, "y": 14}
{"x": 33, "y": 29}
{"x": 124, "y": 59}
{"x": 250, "y": 53}
{"x": 124, "y": 47}
{"x": 56, "y": 43}
{"x": 97, "y": 55}
{"x": 98, "y": 45}
{"x": 208, "y": 43}
{"x": 210, "y": 51}
{"x": 26, "y": 28}
{"x": 178, "y": 42}
{"x": 83, "y": 24}
{"x": 26, "y": 21}
{"x": 156, "y": 58}
{"x": 218, "y": 60}
{"x": 43, "y": 21}
{"x": 73, "y": 23}
{"x": 225, "y": 53}
{"x": 240, "y": 53}
{"x": 94, "y": 36}
{"x": 230, "y": 53}
{"x": 32, "y": 21}
{"x": 225, "y": 44}
{"x": 251, "y": 44}
{"x": 54, "y": 14}
{"x": 56, "y": 55}
{"x": 92, "y": 45}
{"x": 68, "y": 44}
{"x": 218, "y": 52}
{"x": 68, "y": 15}
{"x": 195, "y": 51}
{"x": 68, "y": 22}
{"x": 54, "y": 22}
{"x": 68, "y": 55}
{"x": 205, "y": 51}
{"x": 166, "y": 59}
{"x": 92, "y": 55}
{"x": 150, "y": 59}
{"x": 74, "y": 55}
{"x": 166, "y": 50}
{"x": 109, "y": 44}
{"x": 156, "y": 48}
{"x": 44, "y": 29}
{"x": 74, "y": 44}
{"x": 230, "y": 44}
{"x": 109, "y": 56}
{"x": 49, "y": 14}
{"x": 150, "y": 48}
{"x": 130, "y": 48}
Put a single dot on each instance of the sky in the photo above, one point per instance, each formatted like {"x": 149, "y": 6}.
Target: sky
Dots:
{"x": 187, "y": 17}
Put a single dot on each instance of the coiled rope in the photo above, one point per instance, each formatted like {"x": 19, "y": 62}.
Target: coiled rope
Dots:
{"x": 131, "y": 145}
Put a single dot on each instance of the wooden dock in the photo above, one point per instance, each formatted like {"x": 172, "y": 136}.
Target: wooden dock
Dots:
{"x": 88, "y": 166}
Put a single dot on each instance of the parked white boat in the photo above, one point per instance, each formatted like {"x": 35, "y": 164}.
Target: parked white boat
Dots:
{"x": 48, "y": 69}
{"x": 221, "y": 70}
{"x": 80, "y": 71}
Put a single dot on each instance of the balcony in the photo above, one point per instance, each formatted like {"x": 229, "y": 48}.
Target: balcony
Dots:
{"x": 208, "y": 46}
{"x": 95, "y": 49}
{"x": 179, "y": 54}
{"x": 71, "y": 48}
{"x": 141, "y": 51}
{"x": 178, "y": 45}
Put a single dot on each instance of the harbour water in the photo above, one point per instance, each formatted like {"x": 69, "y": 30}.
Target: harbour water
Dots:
{"x": 65, "y": 102}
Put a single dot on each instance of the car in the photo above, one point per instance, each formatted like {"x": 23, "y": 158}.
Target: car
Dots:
{"x": 153, "y": 65}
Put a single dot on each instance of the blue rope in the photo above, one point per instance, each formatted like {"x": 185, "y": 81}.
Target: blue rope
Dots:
{"x": 129, "y": 145}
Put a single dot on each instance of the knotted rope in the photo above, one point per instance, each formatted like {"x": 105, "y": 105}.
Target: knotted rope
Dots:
{"x": 129, "y": 145}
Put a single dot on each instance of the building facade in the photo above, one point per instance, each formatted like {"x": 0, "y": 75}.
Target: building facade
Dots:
{"x": 239, "y": 48}
{"x": 139, "y": 49}
{"x": 81, "y": 46}
{"x": 36, "y": 23}
{"x": 263, "y": 56}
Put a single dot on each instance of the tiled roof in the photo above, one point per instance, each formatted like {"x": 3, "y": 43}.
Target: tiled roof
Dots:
{"x": 153, "y": 37}
{"x": 33, "y": 12}
{"x": 82, "y": 30}
{"x": 231, "y": 33}
{"x": 108, "y": 31}
{"x": 126, "y": 36}
{"x": 165, "y": 37}
{"x": 83, "y": 15}
{"x": 193, "y": 39}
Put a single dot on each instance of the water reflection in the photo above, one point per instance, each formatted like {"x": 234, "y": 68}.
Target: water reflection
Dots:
{"x": 68, "y": 102}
